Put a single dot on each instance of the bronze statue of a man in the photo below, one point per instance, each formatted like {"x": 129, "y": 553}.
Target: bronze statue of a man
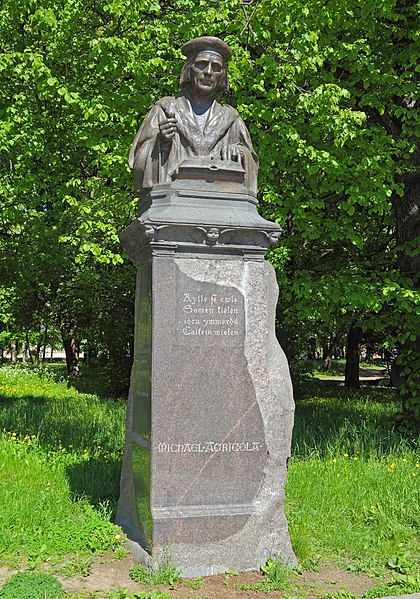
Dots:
{"x": 193, "y": 124}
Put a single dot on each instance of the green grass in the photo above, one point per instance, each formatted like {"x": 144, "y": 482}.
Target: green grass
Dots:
{"x": 164, "y": 574}
{"x": 39, "y": 517}
{"x": 276, "y": 578}
{"x": 352, "y": 490}
{"x": 122, "y": 594}
{"x": 332, "y": 420}
{"x": 355, "y": 507}
{"x": 60, "y": 458}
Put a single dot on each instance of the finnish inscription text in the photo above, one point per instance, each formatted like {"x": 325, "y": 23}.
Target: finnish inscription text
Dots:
{"x": 215, "y": 315}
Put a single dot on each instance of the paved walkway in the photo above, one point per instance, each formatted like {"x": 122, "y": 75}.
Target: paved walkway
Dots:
{"x": 366, "y": 375}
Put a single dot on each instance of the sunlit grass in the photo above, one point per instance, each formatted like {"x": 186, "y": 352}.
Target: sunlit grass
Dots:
{"x": 358, "y": 507}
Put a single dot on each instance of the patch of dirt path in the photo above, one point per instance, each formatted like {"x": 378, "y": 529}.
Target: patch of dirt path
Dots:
{"x": 5, "y": 574}
{"x": 106, "y": 575}
{"x": 110, "y": 575}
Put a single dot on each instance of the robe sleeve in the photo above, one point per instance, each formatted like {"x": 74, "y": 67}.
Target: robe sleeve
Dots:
{"x": 147, "y": 158}
{"x": 243, "y": 139}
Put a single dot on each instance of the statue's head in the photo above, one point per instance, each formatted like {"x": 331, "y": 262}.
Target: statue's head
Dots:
{"x": 205, "y": 70}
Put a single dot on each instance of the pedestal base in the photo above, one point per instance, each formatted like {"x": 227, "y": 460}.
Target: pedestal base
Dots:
{"x": 209, "y": 420}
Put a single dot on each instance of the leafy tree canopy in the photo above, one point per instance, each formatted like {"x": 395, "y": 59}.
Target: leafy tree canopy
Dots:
{"x": 328, "y": 90}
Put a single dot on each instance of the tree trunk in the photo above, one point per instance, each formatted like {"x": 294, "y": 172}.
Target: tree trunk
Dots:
{"x": 369, "y": 353}
{"x": 1, "y": 355}
{"x": 354, "y": 338}
{"x": 44, "y": 346}
{"x": 27, "y": 349}
{"x": 71, "y": 347}
{"x": 312, "y": 348}
{"x": 328, "y": 355}
{"x": 91, "y": 354}
{"x": 37, "y": 352}
{"x": 13, "y": 352}
{"x": 406, "y": 211}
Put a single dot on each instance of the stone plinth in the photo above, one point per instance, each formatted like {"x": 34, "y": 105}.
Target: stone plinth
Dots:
{"x": 210, "y": 412}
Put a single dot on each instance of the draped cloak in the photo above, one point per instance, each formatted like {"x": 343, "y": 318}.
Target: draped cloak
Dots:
{"x": 153, "y": 162}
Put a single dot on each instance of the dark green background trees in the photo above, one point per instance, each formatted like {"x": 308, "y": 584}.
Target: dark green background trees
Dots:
{"x": 328, "y": 90}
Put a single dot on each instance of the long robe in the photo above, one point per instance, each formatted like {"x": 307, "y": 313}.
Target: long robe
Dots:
{"x": 153, "y": 162}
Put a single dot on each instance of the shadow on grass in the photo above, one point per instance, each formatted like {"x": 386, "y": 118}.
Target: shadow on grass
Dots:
{"x": 331, "y": 418}
{"x": 97, "y": 480}
{"x": 312, "y": 388}
{"x": 328, "y": 420}
{"x": 98, "y": 380}
{"x": 76, "y": 423}
{"x": 93, "y": 380}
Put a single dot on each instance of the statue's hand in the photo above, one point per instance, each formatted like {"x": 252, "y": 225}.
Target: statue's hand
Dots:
{"x": 233, "y": 152}
{"x": 168, "y": 128}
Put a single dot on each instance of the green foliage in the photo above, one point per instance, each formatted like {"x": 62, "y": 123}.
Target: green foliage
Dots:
{"x": 276, "y": 577}
{"x": 403, "y": 564}
{"x": 341, "y": 595}
{"x": 328, "y": 93}
{"x": 79, "y": 565}
{"x": 154, "y": 595}
{"x": 338, "y": 170}
{"x": 277, "y": 573}
{"x": 163, "y": 574}
{"x": 403, "y": 585}
{"x": 193, "y": 583}
{"x": 32, "y": 585}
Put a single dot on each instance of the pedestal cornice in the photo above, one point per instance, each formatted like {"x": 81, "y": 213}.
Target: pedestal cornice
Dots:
{"x": 210, "y": 224}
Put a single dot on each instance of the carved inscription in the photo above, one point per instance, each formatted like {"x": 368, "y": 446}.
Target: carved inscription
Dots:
{"x": 209, "y": 447}
{"x": 215, "y": 315}
{"x": 209, "y": 314}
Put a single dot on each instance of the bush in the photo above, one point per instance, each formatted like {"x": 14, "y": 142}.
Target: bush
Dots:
{"x": 32, "y": 585}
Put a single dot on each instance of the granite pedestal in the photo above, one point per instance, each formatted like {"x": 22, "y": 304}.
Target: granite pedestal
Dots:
{"x": 210, "y": 412}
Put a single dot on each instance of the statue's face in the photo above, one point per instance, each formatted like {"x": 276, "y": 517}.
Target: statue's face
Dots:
{"x": 207, "y": 73}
